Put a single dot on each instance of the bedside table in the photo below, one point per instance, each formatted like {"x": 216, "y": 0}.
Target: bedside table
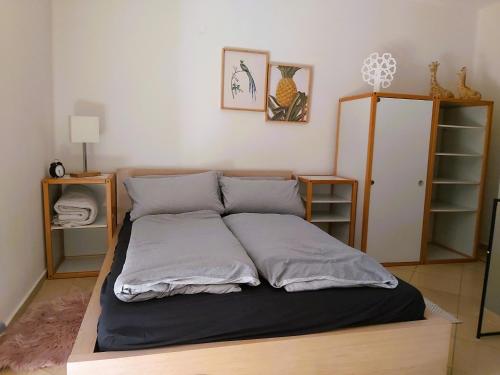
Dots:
{"x": 79, "y": 251}
{"x": 331, "y": 204}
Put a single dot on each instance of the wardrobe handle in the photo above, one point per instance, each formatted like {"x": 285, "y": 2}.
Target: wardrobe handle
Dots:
{"x": 372, "y": 183}
{"x": 420, "y": 182}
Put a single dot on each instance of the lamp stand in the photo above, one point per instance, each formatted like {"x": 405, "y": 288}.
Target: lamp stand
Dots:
{"x": 84, "y": 157}
{"x": 85, "y": 173}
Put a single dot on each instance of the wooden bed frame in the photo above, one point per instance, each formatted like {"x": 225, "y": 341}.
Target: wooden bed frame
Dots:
{"x": 418, "y": 347}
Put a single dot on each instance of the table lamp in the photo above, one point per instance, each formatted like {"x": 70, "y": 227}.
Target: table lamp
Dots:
{"x": 84, "y": 129}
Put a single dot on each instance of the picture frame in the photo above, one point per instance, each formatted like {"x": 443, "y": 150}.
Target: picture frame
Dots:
{"x": 289, "y": 93}
{"x": 244, "y": 79}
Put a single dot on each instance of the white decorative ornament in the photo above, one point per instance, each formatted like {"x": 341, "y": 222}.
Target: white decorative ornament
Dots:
{"x": 378, "y": 71}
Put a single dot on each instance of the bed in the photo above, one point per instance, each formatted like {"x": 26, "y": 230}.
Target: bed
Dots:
{"x": 256, "y": 312}
{"x": 296, "y": 348}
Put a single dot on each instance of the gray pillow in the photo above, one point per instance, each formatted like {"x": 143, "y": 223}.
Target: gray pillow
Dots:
{"x": 261, "y": 196}
{"x": 174, "y": 194}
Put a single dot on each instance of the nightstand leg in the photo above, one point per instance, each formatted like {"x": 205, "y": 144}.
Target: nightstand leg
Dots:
{"x": 309, "y": 197}
{"x": 46, "y": 223}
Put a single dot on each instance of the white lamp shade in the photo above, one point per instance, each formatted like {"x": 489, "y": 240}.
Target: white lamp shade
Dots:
{"x": 84, "y": 129}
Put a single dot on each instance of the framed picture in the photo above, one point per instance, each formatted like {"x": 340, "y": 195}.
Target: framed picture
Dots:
{"x": 244, "y": 79}
{"x": 289, "y": 92}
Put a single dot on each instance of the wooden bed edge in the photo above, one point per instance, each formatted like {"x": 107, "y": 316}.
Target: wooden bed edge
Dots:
{"x": 411, "y": 348}
{"x": 87, "y": 334}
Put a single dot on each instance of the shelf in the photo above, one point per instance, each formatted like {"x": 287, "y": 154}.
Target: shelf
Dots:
{"x": 449, "y": 207}
{"x": 100, "y": 222}
{"x": 449, "y": 126}
{"x": 81, "y": 263}
{"x": 436, "y": 252}
{"x": 450, "y": 181}
{"x": 327, "y": 198}
{"x": 329, "y": 218}
{"x": 324, "y": 179}
{"x": 466, "y": 154}
{"x": 68, "y": 180}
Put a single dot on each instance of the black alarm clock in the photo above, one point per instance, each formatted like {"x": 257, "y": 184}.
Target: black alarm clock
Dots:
{"x": 56, "y": 169}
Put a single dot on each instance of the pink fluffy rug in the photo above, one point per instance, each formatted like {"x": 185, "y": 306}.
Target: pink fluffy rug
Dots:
{"x": 44, "y": 335}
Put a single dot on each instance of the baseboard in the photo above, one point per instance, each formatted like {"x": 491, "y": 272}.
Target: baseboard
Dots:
{"x": 27, "y": 298}
{"x": 2, "y": 328}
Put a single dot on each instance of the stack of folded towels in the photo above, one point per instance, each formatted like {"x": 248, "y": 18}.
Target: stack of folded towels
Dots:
{"x": 77, "y": 206}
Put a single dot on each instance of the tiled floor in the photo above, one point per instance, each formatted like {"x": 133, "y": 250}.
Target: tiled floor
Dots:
{"x": 455, "y": 287}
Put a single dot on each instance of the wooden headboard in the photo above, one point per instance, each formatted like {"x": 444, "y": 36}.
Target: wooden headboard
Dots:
{"x": 124, "y": 204}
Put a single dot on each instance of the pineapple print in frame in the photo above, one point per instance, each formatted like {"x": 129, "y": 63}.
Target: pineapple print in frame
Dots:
{"x": 289, "y": 90}
{"x": 244, "y": 79}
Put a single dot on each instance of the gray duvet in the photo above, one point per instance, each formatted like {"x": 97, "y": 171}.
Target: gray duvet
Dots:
{"x": 292, "y": 253}
{"x": 184, "y": 253}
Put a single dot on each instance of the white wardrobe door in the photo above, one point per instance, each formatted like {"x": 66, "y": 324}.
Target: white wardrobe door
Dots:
{"x": 399, "y": 171}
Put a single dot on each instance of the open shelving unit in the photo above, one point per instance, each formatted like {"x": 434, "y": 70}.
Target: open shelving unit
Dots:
{"x": 459, "y": 150}
{"x": 79, "y": 251}
{"x": 331, "y": 204}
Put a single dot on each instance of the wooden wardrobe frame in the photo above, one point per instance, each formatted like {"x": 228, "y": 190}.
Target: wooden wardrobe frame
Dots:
{"x": 417, "y": 347}
{"x": 366, "y": 193}
{"x": 437, "y": 103}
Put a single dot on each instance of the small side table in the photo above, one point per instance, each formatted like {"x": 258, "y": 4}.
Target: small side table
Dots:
{"x": 79, "y": 251}
{"x": 331, "y": 204}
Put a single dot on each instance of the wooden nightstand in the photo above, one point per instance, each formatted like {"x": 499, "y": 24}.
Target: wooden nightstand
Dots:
{"x": 79, "y": 251}
{"x": 331, "y": 204}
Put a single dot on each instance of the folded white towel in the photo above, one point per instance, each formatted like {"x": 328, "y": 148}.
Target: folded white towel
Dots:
{"x": 76, "y": 206}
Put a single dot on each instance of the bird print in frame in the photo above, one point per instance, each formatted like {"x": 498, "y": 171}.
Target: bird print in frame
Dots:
{"x": 289, "y": 92}
{"x": 244, "y": 79}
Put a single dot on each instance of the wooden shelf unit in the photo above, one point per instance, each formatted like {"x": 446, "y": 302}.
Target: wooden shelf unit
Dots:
{"x": 90, "y": 242}
{"x": 331, "y": 204}
{"x": 457, "y": 166}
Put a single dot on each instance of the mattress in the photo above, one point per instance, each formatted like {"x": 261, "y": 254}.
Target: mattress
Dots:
{"x": 255, "y": 312}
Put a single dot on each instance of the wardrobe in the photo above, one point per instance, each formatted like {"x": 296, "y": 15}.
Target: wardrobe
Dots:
{"x": 420, "y": 165}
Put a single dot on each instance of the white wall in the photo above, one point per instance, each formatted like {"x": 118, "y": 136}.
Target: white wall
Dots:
{"x": 151, "y": 69}
{"x": 486, "y": 78}
{"x": 25, "y": 141}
